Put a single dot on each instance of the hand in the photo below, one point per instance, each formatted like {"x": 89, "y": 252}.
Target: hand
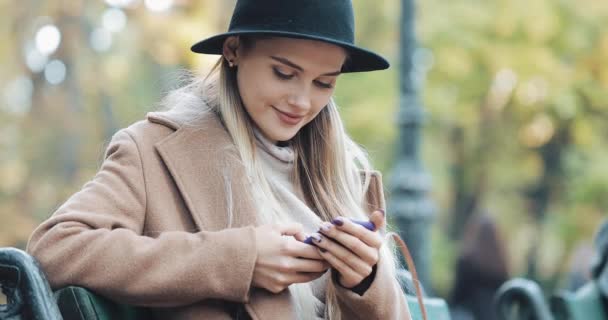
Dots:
{"x": 351, "y": 249}
{"x": 282, "y": 259}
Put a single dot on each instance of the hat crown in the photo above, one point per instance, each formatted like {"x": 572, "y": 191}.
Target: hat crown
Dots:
{"x": 333, "y": 19}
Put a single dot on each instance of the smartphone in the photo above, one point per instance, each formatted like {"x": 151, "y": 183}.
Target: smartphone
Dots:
{"x": 367, "y": 224}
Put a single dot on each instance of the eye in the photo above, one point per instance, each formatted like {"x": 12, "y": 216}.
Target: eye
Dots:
{"x": 324, "y": 85}
{"x": 282, "y": 75}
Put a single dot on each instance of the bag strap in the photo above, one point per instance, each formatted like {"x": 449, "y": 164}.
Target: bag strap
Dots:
{"x": 410, "y": 265}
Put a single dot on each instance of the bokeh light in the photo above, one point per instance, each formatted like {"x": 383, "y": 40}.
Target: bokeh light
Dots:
{"x": 159, "y": 5}
{"x": 55, "y": 72}
{"x": 120, "y": 3}
{"x": 114, "y": 19}
{"x": 18, "y": 95}
{"x": 100, "y": 40}
{"x": 35, "y": 60}
{"x": 48, "y": 39}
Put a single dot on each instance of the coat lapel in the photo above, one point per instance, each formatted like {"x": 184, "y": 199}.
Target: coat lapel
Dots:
{"x": 207, "y": 170}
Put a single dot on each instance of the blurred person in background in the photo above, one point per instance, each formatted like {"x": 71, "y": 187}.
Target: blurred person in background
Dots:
{"x": 201, "y": 210}
{"x": 481, "y": 268}
{"x": 579, "y": 271}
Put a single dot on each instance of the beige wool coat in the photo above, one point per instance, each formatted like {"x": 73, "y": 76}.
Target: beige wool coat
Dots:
{"x": 168, "y": 223}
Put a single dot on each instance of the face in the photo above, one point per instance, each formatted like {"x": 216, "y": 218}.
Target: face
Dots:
{"x": 284, "y": 83}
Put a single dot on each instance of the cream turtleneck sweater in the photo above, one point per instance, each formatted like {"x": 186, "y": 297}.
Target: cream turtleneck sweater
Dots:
{"x": 278, "y": 163}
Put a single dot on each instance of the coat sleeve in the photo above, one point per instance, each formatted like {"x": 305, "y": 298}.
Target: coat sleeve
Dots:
{"x": 95, "y": 240}
{"x": 384, "y": 298}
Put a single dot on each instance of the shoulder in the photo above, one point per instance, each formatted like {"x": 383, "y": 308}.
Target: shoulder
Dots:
{"x": 157, "y": 126}
{"x": 140, "y": 137}
{"x": 163, "y": 131}
{"x": 154, "y": 127}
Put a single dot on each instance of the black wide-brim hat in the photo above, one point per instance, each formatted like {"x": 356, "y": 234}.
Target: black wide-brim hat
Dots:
{"x": 330, "y": 21}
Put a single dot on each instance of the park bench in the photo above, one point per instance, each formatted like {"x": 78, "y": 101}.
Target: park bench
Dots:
{"x": 522, "y": 299}
{"x": 29, "y": 296}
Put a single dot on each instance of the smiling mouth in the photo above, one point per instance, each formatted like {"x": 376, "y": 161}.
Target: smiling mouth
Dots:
{"x": 288, "y": 118}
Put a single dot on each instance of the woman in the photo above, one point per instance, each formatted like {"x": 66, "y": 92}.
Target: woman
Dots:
{"x": 201, "y": 211}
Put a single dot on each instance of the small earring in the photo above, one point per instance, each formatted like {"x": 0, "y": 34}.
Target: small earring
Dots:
{"x": 230, "y": 63}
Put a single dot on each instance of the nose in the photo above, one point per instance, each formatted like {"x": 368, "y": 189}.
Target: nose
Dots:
{"x": 300, "y": 98}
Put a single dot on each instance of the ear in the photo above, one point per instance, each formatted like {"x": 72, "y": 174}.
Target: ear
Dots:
{"x": 230, "y": 48}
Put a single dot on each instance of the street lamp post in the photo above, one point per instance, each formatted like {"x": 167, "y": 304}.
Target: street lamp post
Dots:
{"x": 410, "y": 206}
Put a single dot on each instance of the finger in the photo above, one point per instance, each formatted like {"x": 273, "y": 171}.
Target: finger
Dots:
{"x": 297, "y": 248}
{"x": 300, "y": 236}
{"x": 289, "y": 229}
{"x": 370, "y": 238}
{"x": 350, "y": 277}
{"x": 306, "y": 276}
{"x": 378, "y": 217}
{"x": 361, "y": 249}
{"x": 308, "y": 265}
{"x": 346, "y": 256}
{"x": 278, "y": 282}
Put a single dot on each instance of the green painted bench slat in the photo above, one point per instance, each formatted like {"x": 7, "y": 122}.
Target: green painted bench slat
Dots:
{"x": 436, "y": 308}
{"x": 584, "y": 304}
{"x": 77, "y": 303}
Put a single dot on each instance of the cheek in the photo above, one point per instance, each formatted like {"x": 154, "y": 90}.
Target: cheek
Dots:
{"x": 259, "y": 90}
{"x": 317, "y": 109}
{"x": 320, "y": 101}
{"x": 251, "y": 92}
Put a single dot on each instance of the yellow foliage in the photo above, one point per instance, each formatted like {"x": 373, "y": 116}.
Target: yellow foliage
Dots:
{"x": 14, "y": 174}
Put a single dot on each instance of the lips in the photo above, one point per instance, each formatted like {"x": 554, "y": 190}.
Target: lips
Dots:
{"x": 292, "y": 115}
{"x": 288, "y": 117}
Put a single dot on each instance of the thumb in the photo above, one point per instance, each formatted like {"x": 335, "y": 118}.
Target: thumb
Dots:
{"x": 300, "y": 236}
{"x": 289, "y": 229}
{"x": 378, "y": 218}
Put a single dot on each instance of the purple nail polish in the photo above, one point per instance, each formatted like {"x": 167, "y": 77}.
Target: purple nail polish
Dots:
{"x": 312, "y": 239}
{"x": 338, "y": 221}
{"x": 366, "y": 224}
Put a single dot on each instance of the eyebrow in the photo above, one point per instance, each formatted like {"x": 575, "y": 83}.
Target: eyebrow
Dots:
{"x": 295, "y": 66}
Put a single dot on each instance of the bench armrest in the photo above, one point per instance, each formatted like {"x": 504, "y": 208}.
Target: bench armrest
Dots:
{"x": 521, "y": 299}
{"x": 584, "y": 304}
{"x": 77, "y": 303}
{"x": 28, "y": 293}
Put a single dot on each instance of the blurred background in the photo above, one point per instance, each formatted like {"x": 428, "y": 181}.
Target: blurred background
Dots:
{"x": 514, "y": 138}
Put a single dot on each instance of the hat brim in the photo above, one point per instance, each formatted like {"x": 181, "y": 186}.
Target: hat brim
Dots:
{"x": 359, "y": 59}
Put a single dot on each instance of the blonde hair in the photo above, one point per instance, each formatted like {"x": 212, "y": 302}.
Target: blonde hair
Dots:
{"x": 327, "y": 162}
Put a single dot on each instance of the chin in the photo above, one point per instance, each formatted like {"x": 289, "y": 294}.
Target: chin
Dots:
{"x": 283, "y": 136}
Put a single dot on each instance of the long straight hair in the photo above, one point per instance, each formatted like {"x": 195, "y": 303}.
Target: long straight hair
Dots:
{"x": 331, "y": 169}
